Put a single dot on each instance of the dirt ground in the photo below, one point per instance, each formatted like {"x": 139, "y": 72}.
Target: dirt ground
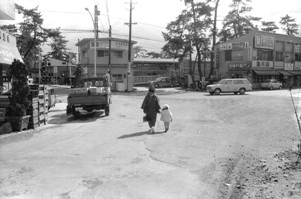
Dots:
{"x": 218, "y": 147}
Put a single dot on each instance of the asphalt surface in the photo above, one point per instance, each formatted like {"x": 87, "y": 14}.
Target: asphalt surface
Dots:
{"x": 213, "y": 142}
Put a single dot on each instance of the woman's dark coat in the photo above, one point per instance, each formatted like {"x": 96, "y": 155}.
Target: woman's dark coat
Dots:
{"x": 151, "y": 107}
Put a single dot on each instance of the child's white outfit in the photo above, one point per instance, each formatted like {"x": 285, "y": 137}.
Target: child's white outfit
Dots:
{"x": 166, "y": 116}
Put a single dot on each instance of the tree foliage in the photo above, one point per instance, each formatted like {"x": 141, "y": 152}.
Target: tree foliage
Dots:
{"x": 289, "y": 25}
{"x": 78, "y": 76}
{"x": 269, "y": 26}
{"x": 237, "y": 22}
{"x": 31, "y": 35}
{"x": 20, "y": 90}
{"x": 139, "y": 51}
{"x": 189, "y": 32}
{"x": 58, "y": 45}
{"x": 214, "y": 33}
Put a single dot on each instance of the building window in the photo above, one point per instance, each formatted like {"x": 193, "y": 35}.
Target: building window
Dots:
{"x": 117, "y": 77}
{"x": 117, "y": 54}
{"x": 265, "y": 55}
{"x": 279, "y": 56}
{"x": 298, "y": 57}
{"x": 228, "y": 55}
{"x": 102, "y": 53}
{"x": 84, "y": 54}
{"x": 92, "y": 43}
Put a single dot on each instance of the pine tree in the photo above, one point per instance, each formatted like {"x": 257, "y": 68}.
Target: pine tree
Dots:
{"x": 289, "y": 25}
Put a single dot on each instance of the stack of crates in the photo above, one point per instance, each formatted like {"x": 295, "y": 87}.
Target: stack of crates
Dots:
{"x": 5, "y": 127}
{"x": 34, "y": 106}
{"x": 43, "y": 105}
{"x": 39, "y": 106}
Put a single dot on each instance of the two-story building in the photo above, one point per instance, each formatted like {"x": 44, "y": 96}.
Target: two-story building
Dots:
{"x": 259, "y": 56}
{"x": 148, "y": 69}
{"x": 117, "y": 63}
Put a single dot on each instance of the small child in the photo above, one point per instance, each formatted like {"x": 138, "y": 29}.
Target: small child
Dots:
{"x": 166, "y": 116}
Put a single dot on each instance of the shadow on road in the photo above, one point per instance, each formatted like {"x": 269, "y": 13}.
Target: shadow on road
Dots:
{"x": 82, "y": 118}
{"x": 87, "y": 117}
{"x": 139, "y": 134}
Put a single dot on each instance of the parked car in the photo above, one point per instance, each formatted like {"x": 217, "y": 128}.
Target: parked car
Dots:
{"x": 165, "y": 82}
{"x": 237, "y": 85}
{"x": 271, "y": 84}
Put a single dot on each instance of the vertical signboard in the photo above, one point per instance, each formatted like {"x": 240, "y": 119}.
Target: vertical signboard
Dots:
{"x": 297, "y": 48}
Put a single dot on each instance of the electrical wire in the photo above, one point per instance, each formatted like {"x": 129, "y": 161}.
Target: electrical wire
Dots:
{"x": 106, "y": 32}
{"x": 108, "y": 16}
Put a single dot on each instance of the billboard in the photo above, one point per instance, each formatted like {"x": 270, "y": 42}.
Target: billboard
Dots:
{"x": 234, "y": 45}
{"x": 263, "y": 41}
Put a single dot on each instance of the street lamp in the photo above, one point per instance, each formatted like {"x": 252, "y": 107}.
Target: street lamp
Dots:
{"x": 94, "y": 41}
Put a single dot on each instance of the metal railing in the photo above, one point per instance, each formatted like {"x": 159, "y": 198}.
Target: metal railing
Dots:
{"x": 144, "y": 79}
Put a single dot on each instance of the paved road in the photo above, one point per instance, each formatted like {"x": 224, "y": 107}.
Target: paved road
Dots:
{"x": 114, "y": 157}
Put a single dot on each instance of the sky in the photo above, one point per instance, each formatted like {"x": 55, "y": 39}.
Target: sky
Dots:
{"x": 151, "y": 16}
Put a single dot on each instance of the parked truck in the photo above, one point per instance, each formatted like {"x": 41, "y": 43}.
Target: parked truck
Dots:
{"x": 92, "y": 94}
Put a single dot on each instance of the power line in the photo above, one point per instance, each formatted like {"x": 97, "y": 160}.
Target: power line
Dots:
{"x": 104, "y": 15}
{"x": 107, "y": 8}
{"x": 106, "y": 32}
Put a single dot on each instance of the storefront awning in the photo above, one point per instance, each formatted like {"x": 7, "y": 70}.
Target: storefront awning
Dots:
{"x": 8, "y": 53}
{"x": 295, "y": 72}
{"x": 285, "y": 73}
{"x": 266, "y": 72}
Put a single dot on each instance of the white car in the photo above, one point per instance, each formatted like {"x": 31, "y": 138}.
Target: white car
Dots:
{"x": 271, "y": 84}
{"x": 237, "y": 85}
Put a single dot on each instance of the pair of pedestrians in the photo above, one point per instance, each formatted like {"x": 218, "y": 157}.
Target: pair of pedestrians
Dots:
{"x": 151, "y": 107}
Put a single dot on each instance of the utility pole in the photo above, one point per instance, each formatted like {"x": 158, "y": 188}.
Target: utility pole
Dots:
{"x": 39, "y": 65}
{"x": 129, "y": 50}
{"x": 110, "y": 42}
{"x": 96, "y": 13}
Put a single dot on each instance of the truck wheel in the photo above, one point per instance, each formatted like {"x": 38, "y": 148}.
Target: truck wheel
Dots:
{"x": 75, "y": 113}
{"x": 107, "y": 110}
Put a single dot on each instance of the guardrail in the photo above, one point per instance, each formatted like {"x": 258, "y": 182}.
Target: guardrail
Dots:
{"x": 144, "y": 79}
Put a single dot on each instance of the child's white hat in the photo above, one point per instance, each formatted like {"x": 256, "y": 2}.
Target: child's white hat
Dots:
{"x": 166, "y": 106}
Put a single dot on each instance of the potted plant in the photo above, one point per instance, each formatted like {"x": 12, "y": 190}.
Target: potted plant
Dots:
{"x": 19, "y": 104}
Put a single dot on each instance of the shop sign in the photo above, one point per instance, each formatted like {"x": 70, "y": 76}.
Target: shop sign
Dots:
{"x": 55, "y": 69}
{"x": 85, "y": 70}
{"x": 288, "y": 66}
{"x": 297, "y": 48}
{"x": 240, "y": 45}
{"x": 239, "y": 65}
{"x": 297, "y": 66}
{"x": 114, "y": 44}
{"x": 8, "y": 48}
{"x": 264, "y": 64}
{"x": 263, "y": 41}
{"x": 234, "y": 46}
{"x": 2, "y": 114}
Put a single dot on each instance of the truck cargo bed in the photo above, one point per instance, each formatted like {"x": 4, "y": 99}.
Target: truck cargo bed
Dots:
{"x": 82, "y": 100}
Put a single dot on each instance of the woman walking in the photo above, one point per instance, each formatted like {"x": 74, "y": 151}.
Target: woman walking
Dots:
{"x": 151, "y": 107}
